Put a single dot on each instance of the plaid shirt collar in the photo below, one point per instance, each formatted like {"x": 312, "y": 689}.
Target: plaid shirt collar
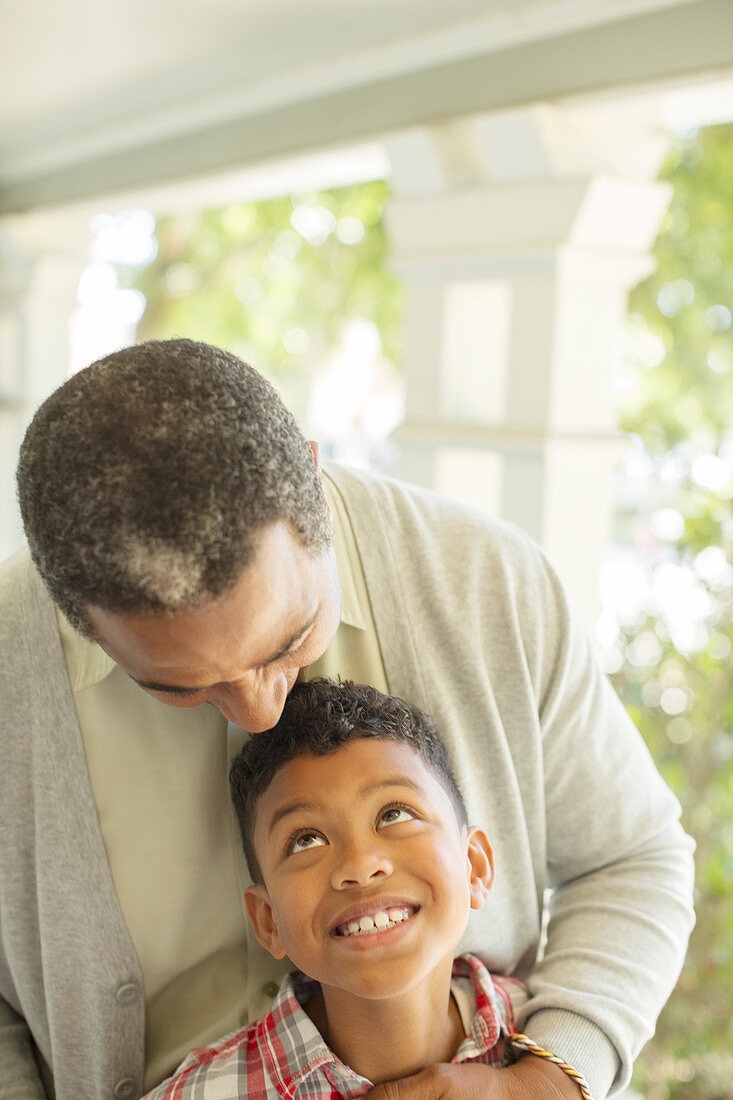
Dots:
{"x": 293, "y": 1050}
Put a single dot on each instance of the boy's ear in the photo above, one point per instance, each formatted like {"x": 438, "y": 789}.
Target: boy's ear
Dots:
{"x": 480, "y": 865}
{"x": 263, "y": 920}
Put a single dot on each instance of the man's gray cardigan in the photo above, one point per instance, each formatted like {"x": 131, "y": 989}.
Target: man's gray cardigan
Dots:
{"x": 473, "y": 628}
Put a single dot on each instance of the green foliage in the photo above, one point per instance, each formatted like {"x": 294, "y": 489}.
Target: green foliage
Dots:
{"x": 689, "y": 395}
{"x": 277, "y": 282}
{"x": 681, "y": 413}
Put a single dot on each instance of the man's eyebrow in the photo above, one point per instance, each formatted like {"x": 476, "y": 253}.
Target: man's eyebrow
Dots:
{"x": 292, "y": 639}
{"x": 152, "y": 685}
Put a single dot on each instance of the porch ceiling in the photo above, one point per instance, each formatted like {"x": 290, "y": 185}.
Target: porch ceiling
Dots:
{"x": 103, "y": 95}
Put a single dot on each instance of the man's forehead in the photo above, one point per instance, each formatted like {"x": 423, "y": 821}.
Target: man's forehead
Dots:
{"x": 157, "y": 651}
{"x": 276, "y": 600}
{"x": 274, "y": 653}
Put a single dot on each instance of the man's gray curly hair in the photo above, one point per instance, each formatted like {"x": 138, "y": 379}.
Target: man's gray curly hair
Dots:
{"x": 144, "y": 480}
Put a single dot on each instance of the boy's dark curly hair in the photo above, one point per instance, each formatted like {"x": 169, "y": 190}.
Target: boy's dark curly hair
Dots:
{"x": 319, "y": 717}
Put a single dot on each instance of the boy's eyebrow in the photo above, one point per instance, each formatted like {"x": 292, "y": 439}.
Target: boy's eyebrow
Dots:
{"x": 152, "y": 685}
{"x": 399, "y": 780}
{"x": 286, "y": 810}
{"x": 303, "y": 805}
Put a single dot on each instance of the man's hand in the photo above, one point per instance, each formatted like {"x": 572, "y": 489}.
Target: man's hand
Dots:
{"x": 528, "y": 1079}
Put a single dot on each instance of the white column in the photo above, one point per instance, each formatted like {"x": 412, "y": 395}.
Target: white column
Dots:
{"x": 518, "y": 238}
{"x": 42, "y": 256}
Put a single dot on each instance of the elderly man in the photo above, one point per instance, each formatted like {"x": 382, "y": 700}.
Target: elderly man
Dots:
{"x": 185, "y": 550}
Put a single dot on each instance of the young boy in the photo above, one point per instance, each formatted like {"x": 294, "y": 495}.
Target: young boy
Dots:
{"x": 364, "y": 871}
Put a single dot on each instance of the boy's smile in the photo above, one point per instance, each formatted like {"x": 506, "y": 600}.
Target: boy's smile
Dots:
{"x": 368, "y": 920}
{"x": 369, "y": 877}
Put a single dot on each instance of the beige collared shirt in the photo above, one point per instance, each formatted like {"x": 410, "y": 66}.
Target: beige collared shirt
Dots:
{"x": 160, "y": 780}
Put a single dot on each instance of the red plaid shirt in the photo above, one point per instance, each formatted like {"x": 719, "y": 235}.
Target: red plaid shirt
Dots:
{"x": 283, "y": 1055}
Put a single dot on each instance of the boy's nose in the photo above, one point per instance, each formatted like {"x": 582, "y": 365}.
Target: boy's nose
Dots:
{"x": 360, "y": 865}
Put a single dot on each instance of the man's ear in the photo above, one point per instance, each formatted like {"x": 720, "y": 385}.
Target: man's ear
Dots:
{"x": 263, "y": 920}
{"x": 480, "y": 865}
{"x": 316, "y": 449}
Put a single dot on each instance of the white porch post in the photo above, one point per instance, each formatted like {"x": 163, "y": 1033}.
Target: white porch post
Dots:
{"x": 518, "y": 236}
{"x": 42, "y": 256}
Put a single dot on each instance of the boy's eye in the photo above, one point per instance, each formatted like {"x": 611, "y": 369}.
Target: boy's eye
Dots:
{"x": 394, "y": 815}
{"x": 301, "y": 842}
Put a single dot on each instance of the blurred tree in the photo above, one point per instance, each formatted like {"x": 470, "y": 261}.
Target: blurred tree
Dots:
{"x": 277, "y": 282}
{"x": 677, "y": 673}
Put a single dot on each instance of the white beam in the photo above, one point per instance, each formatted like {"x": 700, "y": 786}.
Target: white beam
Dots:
{"x": 346, "y": 100}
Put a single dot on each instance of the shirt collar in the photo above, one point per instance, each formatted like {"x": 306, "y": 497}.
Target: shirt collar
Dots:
{"x": 347, "y": 558}
{"x": 300, "y": 1050}
{"x": 493, "y": 1019}
{"x": 87, "y": 663}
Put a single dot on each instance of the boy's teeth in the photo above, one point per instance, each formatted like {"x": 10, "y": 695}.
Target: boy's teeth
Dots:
{"x": 382, "y": 919}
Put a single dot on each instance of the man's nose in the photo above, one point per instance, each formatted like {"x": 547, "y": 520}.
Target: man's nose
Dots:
{"x": 360, "y": 863}
{"x": 255, "y": 705}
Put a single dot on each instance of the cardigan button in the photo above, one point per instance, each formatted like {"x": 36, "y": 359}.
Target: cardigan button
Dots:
{"x": 126, "y": 1089}
{"x": 270, "y": 989}
{"x": 128, "y": 993}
